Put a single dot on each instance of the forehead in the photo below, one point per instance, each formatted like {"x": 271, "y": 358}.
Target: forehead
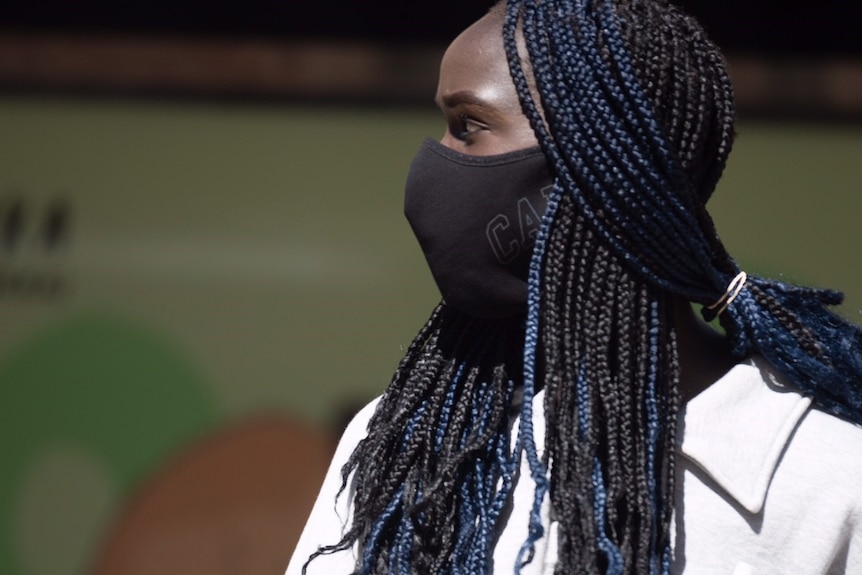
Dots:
{"x": 475, "y": 62}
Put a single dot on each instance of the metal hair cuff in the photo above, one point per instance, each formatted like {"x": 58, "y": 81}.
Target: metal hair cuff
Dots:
{"x": 733, "y": 288}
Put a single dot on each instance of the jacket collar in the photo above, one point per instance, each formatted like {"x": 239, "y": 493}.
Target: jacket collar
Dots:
{"x": 736, "y": 430}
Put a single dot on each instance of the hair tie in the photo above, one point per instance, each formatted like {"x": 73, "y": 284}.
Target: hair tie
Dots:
{"x": 733, "y": 288}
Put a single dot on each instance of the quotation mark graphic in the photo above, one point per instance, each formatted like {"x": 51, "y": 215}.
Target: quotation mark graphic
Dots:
{"x": 47, "y": 226}
{"x": 31, "y": 234}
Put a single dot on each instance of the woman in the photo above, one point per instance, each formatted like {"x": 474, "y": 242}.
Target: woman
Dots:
{"x": 564, "y": 410}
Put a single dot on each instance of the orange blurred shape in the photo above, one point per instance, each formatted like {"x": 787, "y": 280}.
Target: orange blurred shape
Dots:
{"x": 235, "y": 503}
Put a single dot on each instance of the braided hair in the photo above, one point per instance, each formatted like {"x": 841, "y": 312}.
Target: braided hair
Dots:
{"x": 633, "y": 108}
{"x": 436, "y": 469}
{"x": 636, "y": 115}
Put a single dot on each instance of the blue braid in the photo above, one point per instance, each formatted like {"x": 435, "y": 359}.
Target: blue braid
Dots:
{"x": 373, "y": 541}
{"x": 399, "y": 560}
{"x": 827, "y": 367}
{"x": 538, "y": 469}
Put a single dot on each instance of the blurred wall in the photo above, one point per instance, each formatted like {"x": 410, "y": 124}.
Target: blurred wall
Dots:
{"x": 170, "y": 272}
{"x": 193, "y": 296}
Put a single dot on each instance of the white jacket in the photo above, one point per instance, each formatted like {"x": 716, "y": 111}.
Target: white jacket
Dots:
{"x": 765, "y": 485}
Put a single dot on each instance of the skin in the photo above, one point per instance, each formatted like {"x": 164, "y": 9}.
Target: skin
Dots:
{"x": 483, "y": 117}
{"x": 477, "y": 96}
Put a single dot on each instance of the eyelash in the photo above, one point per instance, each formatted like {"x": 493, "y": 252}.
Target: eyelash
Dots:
{"x": 464, "y": 122}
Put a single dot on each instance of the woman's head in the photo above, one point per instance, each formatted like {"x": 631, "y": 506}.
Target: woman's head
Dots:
{"x": 633, "y": 107}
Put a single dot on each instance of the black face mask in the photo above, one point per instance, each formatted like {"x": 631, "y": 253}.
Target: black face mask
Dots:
{"x": 476, "y": 219}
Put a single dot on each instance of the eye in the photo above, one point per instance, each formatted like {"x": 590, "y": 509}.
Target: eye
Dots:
{"x": 466, "y": 126}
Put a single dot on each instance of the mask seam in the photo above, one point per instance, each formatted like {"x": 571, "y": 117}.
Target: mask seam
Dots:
{"x": 480, "y": 161}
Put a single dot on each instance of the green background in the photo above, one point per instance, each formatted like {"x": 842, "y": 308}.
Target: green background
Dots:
{"x": 225, "y": 260}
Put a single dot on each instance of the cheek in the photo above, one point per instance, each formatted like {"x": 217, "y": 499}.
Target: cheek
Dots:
{"x": 522, "y": 134}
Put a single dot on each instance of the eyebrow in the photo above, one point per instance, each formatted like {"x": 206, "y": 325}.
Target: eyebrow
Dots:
{"x": 463, "y": 97}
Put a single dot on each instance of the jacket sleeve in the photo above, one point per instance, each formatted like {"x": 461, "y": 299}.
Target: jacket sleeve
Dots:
{"x": 332, "y": 513}
{"x": 854, "y": 545}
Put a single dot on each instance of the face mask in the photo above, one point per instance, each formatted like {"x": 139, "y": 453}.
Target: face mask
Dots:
{"x": 476, "y": 219}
